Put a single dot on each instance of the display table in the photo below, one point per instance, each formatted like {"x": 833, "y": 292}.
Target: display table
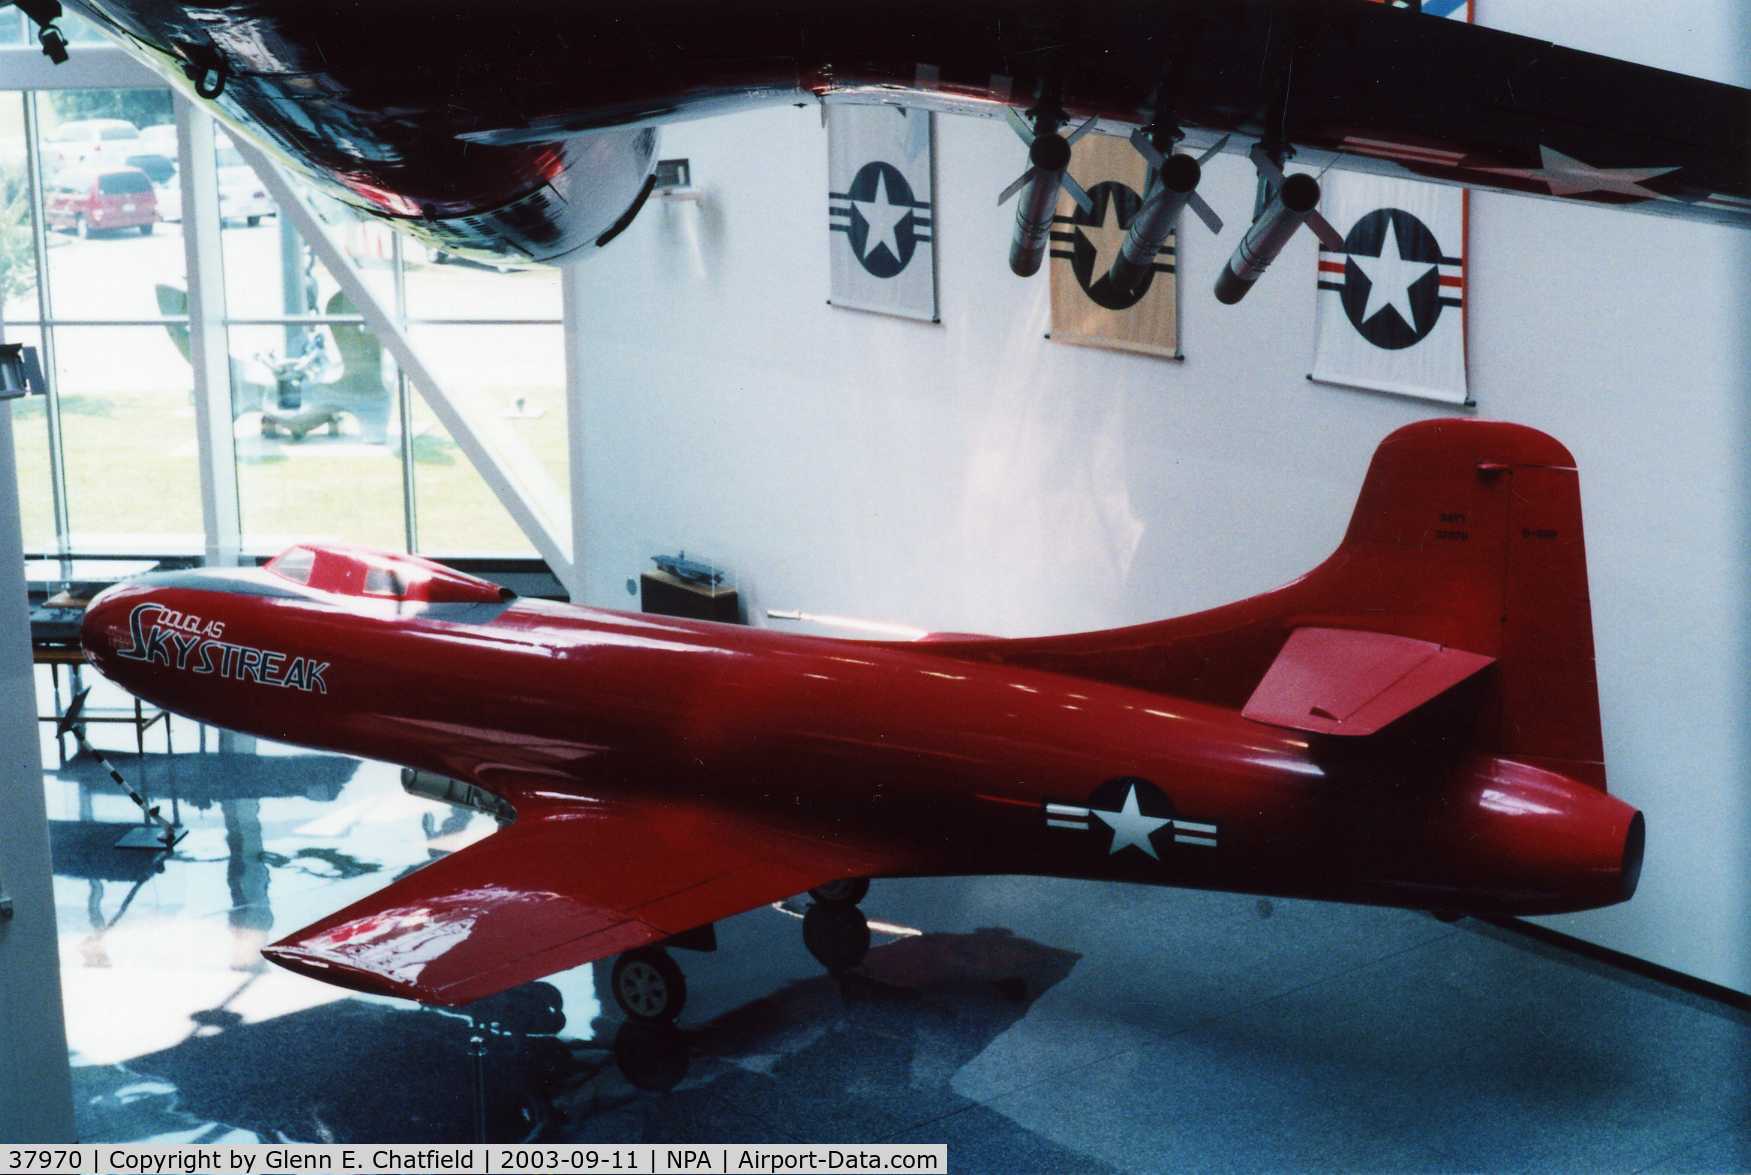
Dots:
{"x": 54, "y": 641}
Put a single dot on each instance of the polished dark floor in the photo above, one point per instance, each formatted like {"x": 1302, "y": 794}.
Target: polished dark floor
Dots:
{"x": 1032, "y": 1025}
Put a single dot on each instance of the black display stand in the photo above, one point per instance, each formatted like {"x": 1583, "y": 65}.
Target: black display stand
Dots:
{"x": 663, "y": 594}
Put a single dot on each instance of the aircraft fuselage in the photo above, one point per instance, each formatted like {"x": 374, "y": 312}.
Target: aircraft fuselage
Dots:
{"x": 883, "y": 752}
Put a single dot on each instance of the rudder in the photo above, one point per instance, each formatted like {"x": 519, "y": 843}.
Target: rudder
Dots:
{"x": 1466, "y": 534}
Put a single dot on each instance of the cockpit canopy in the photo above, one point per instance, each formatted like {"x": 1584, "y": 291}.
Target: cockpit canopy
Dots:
{"x": 358, "y": 571}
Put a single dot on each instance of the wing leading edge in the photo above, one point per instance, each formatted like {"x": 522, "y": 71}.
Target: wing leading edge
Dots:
{"x": 563, "y": 886}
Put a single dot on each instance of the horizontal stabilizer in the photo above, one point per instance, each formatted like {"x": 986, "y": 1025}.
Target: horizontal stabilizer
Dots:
{"x": 1349, "y": 682}
{"x": 559, "y": 888}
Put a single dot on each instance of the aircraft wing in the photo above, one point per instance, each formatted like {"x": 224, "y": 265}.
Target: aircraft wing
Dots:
{"x": 1394, "y": 92}
{"x": 1370, "y": 88}
{"x": 564, "y": 885}
{"x": 514, "y": 145}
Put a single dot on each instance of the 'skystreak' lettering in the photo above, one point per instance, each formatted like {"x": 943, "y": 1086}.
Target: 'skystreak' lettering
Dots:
{"x": 179, "y": 640}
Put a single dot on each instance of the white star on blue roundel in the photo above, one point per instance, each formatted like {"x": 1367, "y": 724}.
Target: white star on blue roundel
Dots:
{"x": 887, "y": 220}
{"x": 1130, "y": 820}
{"x": 1127, "y": 814}
{"x": 1131, "y": 828}
{"x": 1392, "y": 279}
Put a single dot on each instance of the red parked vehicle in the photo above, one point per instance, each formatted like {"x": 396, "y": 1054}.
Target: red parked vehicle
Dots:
{"x": 88, "y": 202}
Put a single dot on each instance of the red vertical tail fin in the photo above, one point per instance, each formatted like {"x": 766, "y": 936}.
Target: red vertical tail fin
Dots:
{"x": 1466, "y": 535}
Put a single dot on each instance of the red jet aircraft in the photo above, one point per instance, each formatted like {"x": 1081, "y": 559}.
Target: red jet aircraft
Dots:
{"x": 1413, "y": 723}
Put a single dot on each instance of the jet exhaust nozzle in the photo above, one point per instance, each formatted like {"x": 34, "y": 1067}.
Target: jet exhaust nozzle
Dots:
{"x": 1296, "y": 199}
{"x": 1175, "y": 182}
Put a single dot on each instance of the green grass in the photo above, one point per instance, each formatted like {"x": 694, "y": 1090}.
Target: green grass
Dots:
{"x": 131, "y": 471}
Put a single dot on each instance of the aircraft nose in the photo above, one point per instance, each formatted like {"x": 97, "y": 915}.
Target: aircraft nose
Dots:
{"x": 111, "y": 626}
{"x": 104, "y": 628}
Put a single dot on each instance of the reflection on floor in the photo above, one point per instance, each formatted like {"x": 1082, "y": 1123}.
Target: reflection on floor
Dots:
{"x": 1033, "y": 1025}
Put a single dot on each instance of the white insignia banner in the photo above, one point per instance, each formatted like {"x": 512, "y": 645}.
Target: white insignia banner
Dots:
{"x": 1391, "y": 303}
{"x": 879, "y": 210}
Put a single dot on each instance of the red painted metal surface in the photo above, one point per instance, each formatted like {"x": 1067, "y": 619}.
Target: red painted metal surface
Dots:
{"x": 1347, "y": 681}
{"x": 666, "y": 773}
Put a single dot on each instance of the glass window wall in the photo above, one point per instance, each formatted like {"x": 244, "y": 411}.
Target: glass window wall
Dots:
{"x": 331, "y": 441}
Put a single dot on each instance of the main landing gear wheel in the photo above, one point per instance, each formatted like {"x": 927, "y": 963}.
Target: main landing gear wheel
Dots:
{"x": 847, "y": 891}
{"x": 651, "y": 1056}
{"x": 837, "y": 934}
{"x": 648, "y": 986}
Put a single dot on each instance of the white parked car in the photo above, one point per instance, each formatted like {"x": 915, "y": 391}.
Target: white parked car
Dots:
{"x": 169, "y": 196}
{"x": 90, "y": 142}
{"x": 159, "y": 139}
{"x": 242, "y": 195}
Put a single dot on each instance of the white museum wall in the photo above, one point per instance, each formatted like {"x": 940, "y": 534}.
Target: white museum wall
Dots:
{"x": 973, "y": 476}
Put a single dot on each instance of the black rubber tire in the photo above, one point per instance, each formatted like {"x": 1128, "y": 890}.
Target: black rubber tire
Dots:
{"x": 837, "y": 935}
{"x": 648, "y": 986}
{"x": 252, "y": 221}
{"x": 651, "y": 1056}
{"x": 847, "y": 891}
{"x": 146, "y": 229}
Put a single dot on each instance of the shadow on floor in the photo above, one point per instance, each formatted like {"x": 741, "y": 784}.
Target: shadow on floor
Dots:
{"x": 858, "y": 1057}
{"x": 349, "y": 1071}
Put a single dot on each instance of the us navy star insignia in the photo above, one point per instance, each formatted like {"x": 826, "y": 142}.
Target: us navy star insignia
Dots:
{"x": 1567, "y": 176}
{"x": 1131, "y": 829}
{"x": 1390, "y": 278}
{"x": 1106, "y": 237}
{"x": 884, "y": 216}
{"x": 1127, "y": 822}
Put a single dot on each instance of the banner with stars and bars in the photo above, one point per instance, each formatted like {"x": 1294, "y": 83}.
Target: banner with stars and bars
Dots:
{"x": 1086, "y": 308}
{"x": 879, "y": 213}
{"x": 1391, "y": 303}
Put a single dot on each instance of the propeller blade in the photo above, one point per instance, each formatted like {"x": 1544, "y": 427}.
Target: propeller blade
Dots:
{"x": 1145, "y": 148}
{"x": 1213, "y": 151}
{"x": 1322, "y": 228}
{"x": 1083, "y": 129}
{"x": 1204, "y": 212}
{"x": 1082, "y": 198}
{"x": 1021, "y": 181}
{"x": 1019, "y": 125}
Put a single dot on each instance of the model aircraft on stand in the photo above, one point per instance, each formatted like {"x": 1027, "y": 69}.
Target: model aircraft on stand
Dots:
{"x": 1413, "y": 723}
{"x": 527, "y": 131}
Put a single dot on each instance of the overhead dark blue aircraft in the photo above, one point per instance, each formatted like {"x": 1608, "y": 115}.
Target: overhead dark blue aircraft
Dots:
{"x": 527, "y": 130}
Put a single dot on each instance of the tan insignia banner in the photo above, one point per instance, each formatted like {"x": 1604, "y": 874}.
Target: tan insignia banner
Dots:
{"x": 1086, "y": 308}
